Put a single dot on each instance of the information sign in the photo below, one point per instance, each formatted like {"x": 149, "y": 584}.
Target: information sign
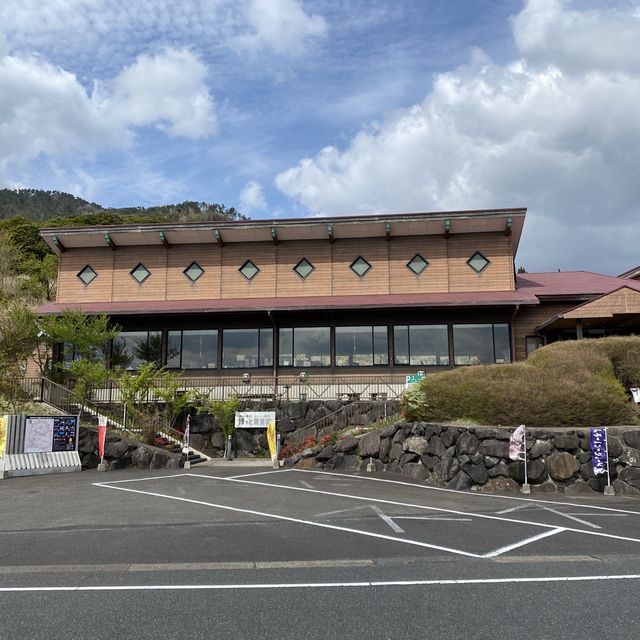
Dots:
{"x": 254, "y": 419}
{"x": 45, "y": 434}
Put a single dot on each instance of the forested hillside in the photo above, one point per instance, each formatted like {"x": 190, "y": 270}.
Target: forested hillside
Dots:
{"x": 28, "y": 268}
{"x": 55, "y": 208}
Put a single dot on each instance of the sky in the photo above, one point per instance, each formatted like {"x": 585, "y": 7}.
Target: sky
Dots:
{"x": 296, "y": 108}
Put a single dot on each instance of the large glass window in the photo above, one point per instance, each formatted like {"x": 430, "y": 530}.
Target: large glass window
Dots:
{"x": 305, "y": 347}
{"x": 481, "y": 343}
{"x": 131, "y": 349}
{"x": 247, "y": 348}
{"x": 421, "y": 344}
{"x": 192, "y": 349}
{"x": 361, "y": 346}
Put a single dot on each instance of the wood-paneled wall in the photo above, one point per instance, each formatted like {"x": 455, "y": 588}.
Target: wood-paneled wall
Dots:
{"x": 447, "y": 271}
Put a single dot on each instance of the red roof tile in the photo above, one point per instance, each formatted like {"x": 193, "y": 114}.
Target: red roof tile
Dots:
{"x": 571, "y": 283}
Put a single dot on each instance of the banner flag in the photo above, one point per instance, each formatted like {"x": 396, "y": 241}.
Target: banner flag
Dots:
{"x": 3, "y": 434}
{"x": 102, "y": 436}
{"x": 185, "y": 437}
{"x": 598, "y": 442}
{"x": 516, "y": 444}
{"x": 635, "y": 392}
{"x": 271, "y": 439}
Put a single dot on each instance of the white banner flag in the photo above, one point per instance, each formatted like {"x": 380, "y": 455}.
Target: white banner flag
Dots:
{"x": 516, "y": 444}
{"x": 185, "y": 438}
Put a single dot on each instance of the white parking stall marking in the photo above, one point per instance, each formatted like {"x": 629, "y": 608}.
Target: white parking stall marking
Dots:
{"x": 473, "y": 495}
{"x": 512, "y": 509}
{"x": 522, "y": 543}
{"x": 428, "y": 508}
{"x": 306, "y": 484}
{"x": 440, "y": 518}
{"x": 333, "y": 513}
{"x": 275, "y": 516}
{"x": 387, "y": 519}
{"x": 568, "y": 515}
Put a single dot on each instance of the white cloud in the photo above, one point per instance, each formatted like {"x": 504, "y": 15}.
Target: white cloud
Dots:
{"x": 46, "y": 110}
{"x": 252, "y": 199}
{"x": 281, "y": 26}
{"x": 168, "y": 90}
{"x": 561, "y": 138}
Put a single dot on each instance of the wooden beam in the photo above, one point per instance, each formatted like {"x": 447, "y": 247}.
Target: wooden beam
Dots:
{"x": 164, "y": 240}
{"x": 109, "y": 241}
{"x": 274, "y": 235}
{"x": 218, "y": 235}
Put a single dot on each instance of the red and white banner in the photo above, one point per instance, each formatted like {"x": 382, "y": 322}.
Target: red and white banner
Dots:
{"x": 102, "y": 435}
{"x": 516, "y": 444}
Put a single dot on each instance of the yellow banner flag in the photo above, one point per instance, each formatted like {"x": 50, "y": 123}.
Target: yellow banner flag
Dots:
{"x": 271, "y": 439}
{"x": 3, "y": 434}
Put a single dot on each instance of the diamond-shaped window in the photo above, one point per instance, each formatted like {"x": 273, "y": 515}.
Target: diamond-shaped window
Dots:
{"x": 140, "y": 273}
{"x": 360, "y": 266}
{"x": 193, "y": 271}
{"x": 478, "y": 262}
{"x": 249, "y": 270}
{"x": 87, "y": 275}
{"x": 303, "y": 268}
{"x": 417, "y": 264}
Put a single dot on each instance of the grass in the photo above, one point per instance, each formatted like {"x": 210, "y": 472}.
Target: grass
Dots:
{"x": 566, "y": 384}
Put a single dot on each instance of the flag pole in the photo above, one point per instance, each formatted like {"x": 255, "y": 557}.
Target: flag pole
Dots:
{"x": 608, "y": 490}
{"x": 526, "y": 488}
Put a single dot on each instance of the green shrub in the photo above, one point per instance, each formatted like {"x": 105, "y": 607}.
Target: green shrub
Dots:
{"x": 566, "y": 384}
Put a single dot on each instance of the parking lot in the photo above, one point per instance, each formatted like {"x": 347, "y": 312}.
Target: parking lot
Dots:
{"x": 240, "y": 552}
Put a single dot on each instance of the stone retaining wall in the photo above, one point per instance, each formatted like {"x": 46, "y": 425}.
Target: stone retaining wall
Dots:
{"x": 207, "y": 436}
{"x": 120, "y": 453}
{"x": 459, "y": 457}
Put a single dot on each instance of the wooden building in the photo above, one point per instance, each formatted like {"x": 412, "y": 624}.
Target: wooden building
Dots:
{"x": 358, "y": 296}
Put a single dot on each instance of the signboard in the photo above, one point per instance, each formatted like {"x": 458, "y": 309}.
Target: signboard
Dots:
{"x": 598, "y": 441}
{"x": 413, "y": 378}
{"x": 635, "y": 392}
{"x": 45, "y": 434}
{"x": 254, "y": 419}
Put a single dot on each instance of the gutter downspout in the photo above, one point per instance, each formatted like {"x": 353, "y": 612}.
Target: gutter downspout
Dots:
{"x": 513, "y": 333}
{"x": 275, "y": 362}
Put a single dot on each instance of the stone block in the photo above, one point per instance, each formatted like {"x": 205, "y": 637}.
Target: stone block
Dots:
{"x": 369, "y": 445}
{"x": 495, "y": 448}
{"x": 562, "y": 465}
{"x": 467, "y": 443}
{"x": 566, "y": 442}
{"x": 346, "y": 445}
{"x": 417, "y": 445}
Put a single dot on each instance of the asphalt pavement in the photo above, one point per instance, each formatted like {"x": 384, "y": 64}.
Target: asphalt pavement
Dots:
{"x": 224, "y": 551}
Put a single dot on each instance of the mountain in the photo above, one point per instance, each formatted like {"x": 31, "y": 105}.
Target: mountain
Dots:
{"x": 56, "y": 208}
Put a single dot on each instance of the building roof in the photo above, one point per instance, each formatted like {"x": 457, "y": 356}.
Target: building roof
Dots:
{"x": 563, "y": 284}
{"x": 509, "y": 221}
{"x": 470, "y": 299}
{"x": 632, "y": 273}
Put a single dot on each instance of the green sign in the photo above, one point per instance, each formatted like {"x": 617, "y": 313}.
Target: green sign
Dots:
{"x": 413, "y": 378}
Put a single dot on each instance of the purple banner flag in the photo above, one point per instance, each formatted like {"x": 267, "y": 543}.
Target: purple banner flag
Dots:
{"x": 598, "y": 441}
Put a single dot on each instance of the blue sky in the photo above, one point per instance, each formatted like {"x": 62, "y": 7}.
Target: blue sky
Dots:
{"x": 301, "y": 107}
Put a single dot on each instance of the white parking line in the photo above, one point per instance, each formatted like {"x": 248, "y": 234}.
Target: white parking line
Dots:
{"x": 439, "y": 518}
{"x": 397, "y": 528}
{"x": 320, "y": 585}
{"x": 472, "y": 494}
{"x": 296, "y": 520}
{"x": 568, "y": 515}
{"x": 428, "y": 508}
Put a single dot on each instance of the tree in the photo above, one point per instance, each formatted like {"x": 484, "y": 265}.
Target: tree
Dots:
{"x": 155, "y": 399}
{"x": 18, "y": 340}
{"x": 41, "y": 277}
{"x": 224, "y": 412}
